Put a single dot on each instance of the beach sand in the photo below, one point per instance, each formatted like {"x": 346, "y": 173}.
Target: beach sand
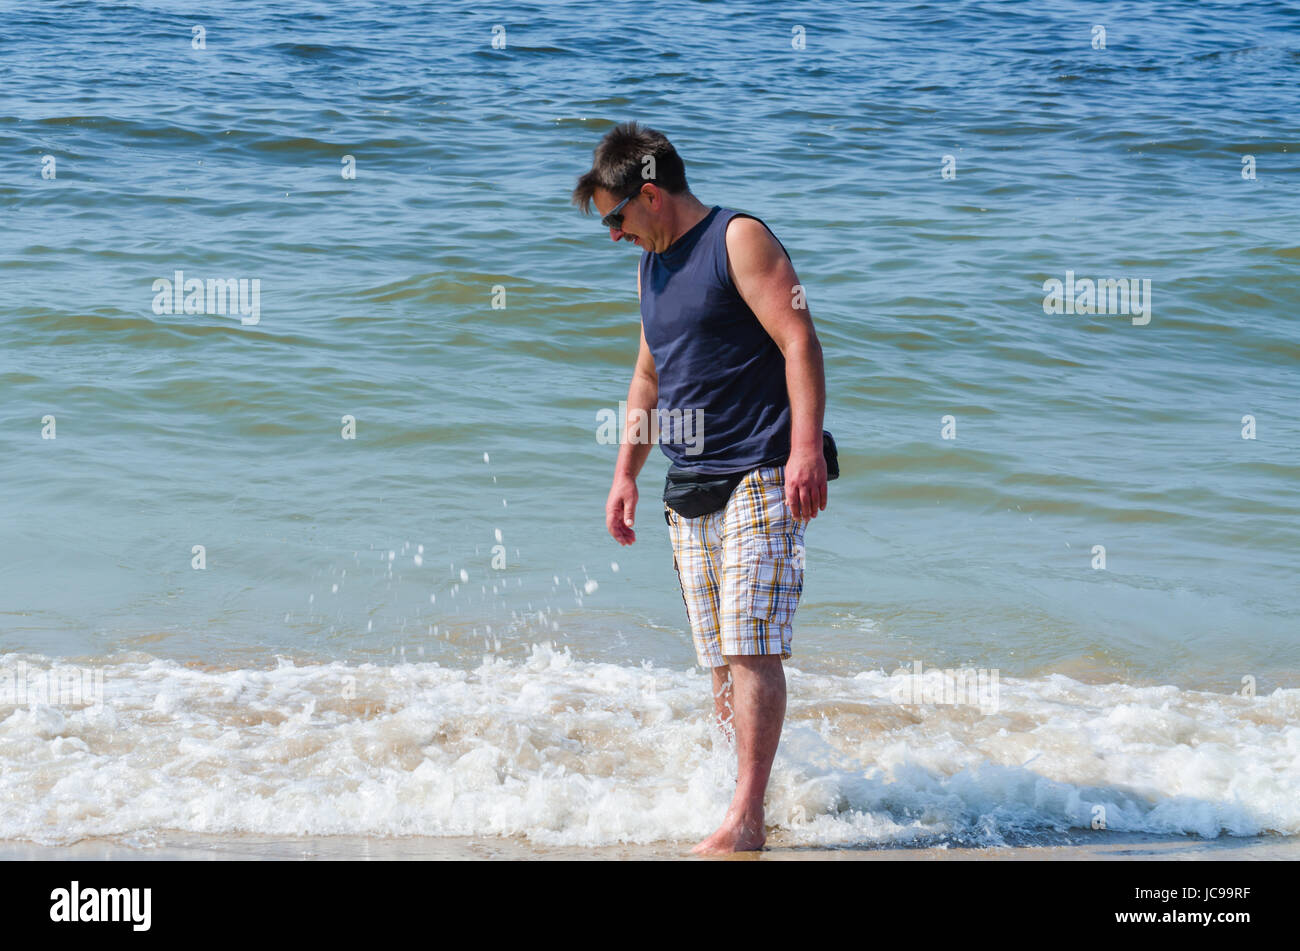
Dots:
{"x": 1082, "y": 845}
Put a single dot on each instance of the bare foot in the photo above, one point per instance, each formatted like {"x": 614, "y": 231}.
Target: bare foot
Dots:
{"x": 743, "y": 834}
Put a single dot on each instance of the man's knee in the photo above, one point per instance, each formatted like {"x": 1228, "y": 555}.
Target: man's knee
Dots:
{"x": 753, "y": 661}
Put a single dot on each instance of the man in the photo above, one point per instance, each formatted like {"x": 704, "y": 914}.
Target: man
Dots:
{"x": 727, "y": 340}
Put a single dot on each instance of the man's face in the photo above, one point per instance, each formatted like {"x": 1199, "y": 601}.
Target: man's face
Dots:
{"x": 636, "y": 218}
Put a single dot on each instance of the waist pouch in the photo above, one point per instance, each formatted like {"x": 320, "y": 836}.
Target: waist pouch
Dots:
{"x": 692, "y": 494}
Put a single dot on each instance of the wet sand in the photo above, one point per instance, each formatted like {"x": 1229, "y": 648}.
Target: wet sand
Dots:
{"x": 1083, "y": 845}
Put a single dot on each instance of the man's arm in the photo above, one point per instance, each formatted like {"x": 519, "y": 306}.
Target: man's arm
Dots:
{"x": 643, "y": 394}
{"x": 765, "y": 280}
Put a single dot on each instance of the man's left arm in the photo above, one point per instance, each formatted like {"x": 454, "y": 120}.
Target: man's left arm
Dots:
{"x": 765, "y": 279}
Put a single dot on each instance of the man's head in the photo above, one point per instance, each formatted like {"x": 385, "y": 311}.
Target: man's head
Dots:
{"x": 640, "y": 164}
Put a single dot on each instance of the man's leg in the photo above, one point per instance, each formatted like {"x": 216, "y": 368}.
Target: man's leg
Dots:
{"x": 723, "y": 703}
{"x": 758, "y": 695}
{"x": 761, "y": 580}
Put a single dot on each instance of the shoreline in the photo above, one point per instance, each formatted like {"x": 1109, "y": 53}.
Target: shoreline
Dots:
{"x": 1082, "y": 845}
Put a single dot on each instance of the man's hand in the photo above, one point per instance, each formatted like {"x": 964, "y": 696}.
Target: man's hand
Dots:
{"x": 620, "y": 508}
{"x": 805, "y": 483}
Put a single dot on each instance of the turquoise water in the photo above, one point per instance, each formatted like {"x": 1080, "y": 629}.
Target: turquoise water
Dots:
{"x": 376, "y": 302}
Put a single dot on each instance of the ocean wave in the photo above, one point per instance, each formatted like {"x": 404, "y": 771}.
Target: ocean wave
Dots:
{"x": 567, "y": 752}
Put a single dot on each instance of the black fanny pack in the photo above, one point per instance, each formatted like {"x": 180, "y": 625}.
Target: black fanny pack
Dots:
{"x": 692, "y": 494}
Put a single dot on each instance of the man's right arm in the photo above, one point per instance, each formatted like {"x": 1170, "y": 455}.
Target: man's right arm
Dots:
{"x": 642, "y": 394}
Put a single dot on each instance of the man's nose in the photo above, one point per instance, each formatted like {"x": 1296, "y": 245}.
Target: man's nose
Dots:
{"x": 615, "y": 234}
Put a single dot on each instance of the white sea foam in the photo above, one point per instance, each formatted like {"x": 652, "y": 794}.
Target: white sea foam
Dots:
{"x": 568, "y": 752}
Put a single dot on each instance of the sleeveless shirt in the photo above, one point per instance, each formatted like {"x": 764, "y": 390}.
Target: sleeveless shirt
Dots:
{"x": 723, "y": 403}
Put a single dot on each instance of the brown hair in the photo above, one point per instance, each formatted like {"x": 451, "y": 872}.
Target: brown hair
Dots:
{"x": 620, "y": 158}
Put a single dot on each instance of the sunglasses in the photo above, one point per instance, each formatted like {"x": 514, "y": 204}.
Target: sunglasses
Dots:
{"x": 614, "y": 219}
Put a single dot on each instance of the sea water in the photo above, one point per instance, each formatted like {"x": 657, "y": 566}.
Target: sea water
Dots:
{"x": 324, "y": 551}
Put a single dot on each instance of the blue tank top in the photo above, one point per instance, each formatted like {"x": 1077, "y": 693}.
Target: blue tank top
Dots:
{"x": 723, "y": 402}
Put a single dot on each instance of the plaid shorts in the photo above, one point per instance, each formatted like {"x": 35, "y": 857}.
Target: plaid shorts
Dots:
{"x": 741, "y": 570}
